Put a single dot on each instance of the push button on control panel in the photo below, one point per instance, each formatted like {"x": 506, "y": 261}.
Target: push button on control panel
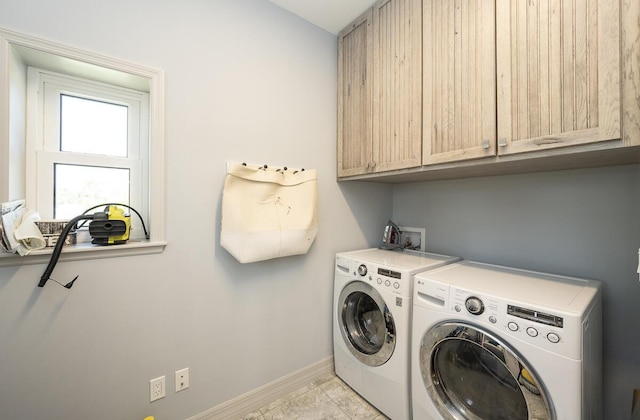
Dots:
{"x": 532, "y": 332}
{"x": 513, "y": 326}
{"x": 553, "y": 337}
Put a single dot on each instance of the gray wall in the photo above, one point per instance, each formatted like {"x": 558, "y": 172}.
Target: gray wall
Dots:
{"x": 245, "y": 81}
{"x": 583, "y": 223}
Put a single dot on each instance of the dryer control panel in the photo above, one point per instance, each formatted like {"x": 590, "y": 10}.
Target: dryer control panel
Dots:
{"x": 547, "y": 311}
{"x": 537, "y": 327}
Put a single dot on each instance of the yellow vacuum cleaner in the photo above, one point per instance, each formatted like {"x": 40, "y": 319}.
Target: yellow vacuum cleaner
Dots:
{"x": 110, "y": 227}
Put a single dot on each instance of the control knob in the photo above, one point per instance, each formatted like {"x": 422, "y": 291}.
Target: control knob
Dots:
{"x": 474, "y": 305}
{"x": 362, "y": 270}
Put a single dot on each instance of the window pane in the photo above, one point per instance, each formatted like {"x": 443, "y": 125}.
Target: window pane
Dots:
{"x": 88, "y": 126}
{"x": 78, "y": 188}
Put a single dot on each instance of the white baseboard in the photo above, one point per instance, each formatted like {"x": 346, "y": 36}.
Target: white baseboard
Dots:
{"x": 259, "y": 397}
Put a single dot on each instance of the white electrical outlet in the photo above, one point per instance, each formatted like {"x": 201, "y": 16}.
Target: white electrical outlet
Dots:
{"x": 182, "y": 379}
{"x": 156, "y": 388}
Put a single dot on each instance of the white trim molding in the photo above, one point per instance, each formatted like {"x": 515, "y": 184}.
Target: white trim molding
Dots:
{"x": 17, "y": 51}
{"x": 259, "y": 397}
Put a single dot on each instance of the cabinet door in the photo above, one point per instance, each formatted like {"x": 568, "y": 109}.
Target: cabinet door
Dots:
{"x": 397, "y": 84}
{"x": 355, "y": 61}
{"x": 459, "y": 111}
{"x": 558, "y": 73}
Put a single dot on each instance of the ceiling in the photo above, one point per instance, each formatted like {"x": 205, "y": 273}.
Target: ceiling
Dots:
{"x": 331, "y": 15}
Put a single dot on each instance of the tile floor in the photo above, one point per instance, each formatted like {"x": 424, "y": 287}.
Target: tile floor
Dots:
{"x": 324, "y": 399}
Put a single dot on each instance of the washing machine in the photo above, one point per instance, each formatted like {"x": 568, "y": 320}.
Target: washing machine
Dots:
{"x": 371, "y": 326}
{"x": 492, "y": 342}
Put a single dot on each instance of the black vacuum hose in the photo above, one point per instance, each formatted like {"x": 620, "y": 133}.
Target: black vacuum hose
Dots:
{"x": 58, "y": 249}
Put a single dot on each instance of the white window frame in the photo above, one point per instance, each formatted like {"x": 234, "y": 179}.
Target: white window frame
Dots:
{"x": 17, "y": 53}
{"x": 44, "y": 89}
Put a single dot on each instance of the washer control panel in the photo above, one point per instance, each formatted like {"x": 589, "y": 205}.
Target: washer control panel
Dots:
{"x": 542, "y": 329}
{"x": 383, "y": 278}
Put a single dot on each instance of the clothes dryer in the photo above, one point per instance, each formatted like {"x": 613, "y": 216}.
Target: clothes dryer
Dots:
{"x": 371, "y": 326}
{"x": 491, "y": 342}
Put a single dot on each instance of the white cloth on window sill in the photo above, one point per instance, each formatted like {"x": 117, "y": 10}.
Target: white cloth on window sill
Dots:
{"x": 28, "y": 234}
{"x": 268, "y": 212}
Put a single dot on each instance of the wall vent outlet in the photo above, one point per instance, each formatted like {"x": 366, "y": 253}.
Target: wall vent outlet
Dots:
{"x": 412, "y": 238}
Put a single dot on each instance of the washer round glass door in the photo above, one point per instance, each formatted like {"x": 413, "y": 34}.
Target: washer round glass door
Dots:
{"x": 366, "y": 324}
{"x": 469, "y": 374}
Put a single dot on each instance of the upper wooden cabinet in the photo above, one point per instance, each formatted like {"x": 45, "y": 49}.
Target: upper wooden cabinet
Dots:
{"x": 435, "y": 88}
{"x": 355, "y": 59}
{"x": 459, "y": 68}
{"x": 550, "y": 68}
{"x": 380, "y": 89}
{"x": 558, "y": 66}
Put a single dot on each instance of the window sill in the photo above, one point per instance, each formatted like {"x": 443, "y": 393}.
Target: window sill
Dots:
{"x": 84, "y": 251}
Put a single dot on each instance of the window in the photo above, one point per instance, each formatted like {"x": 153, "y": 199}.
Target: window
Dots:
{"x": 89, "y": 141}
{"x": 76, "y": 128}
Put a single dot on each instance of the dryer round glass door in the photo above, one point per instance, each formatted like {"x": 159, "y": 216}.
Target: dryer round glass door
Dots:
{"x": 470, "y": 374}
{"x": 366, "y": 324}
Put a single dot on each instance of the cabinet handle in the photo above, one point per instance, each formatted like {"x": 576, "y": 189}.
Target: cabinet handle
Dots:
{"x": 373, "y": 164}
{"x": 502, "y": 142}
{"x": 485, "y": 144}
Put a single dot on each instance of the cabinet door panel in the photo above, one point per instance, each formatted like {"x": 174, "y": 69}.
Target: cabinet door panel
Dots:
{"x": 354, "y": 98}
{"x": 397, "y": 85}
{"x": 459, "y": 110}
{"x": 558, "y": 73}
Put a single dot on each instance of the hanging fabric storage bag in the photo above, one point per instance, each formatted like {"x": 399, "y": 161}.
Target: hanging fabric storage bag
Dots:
{"x": 268, "y": 212}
